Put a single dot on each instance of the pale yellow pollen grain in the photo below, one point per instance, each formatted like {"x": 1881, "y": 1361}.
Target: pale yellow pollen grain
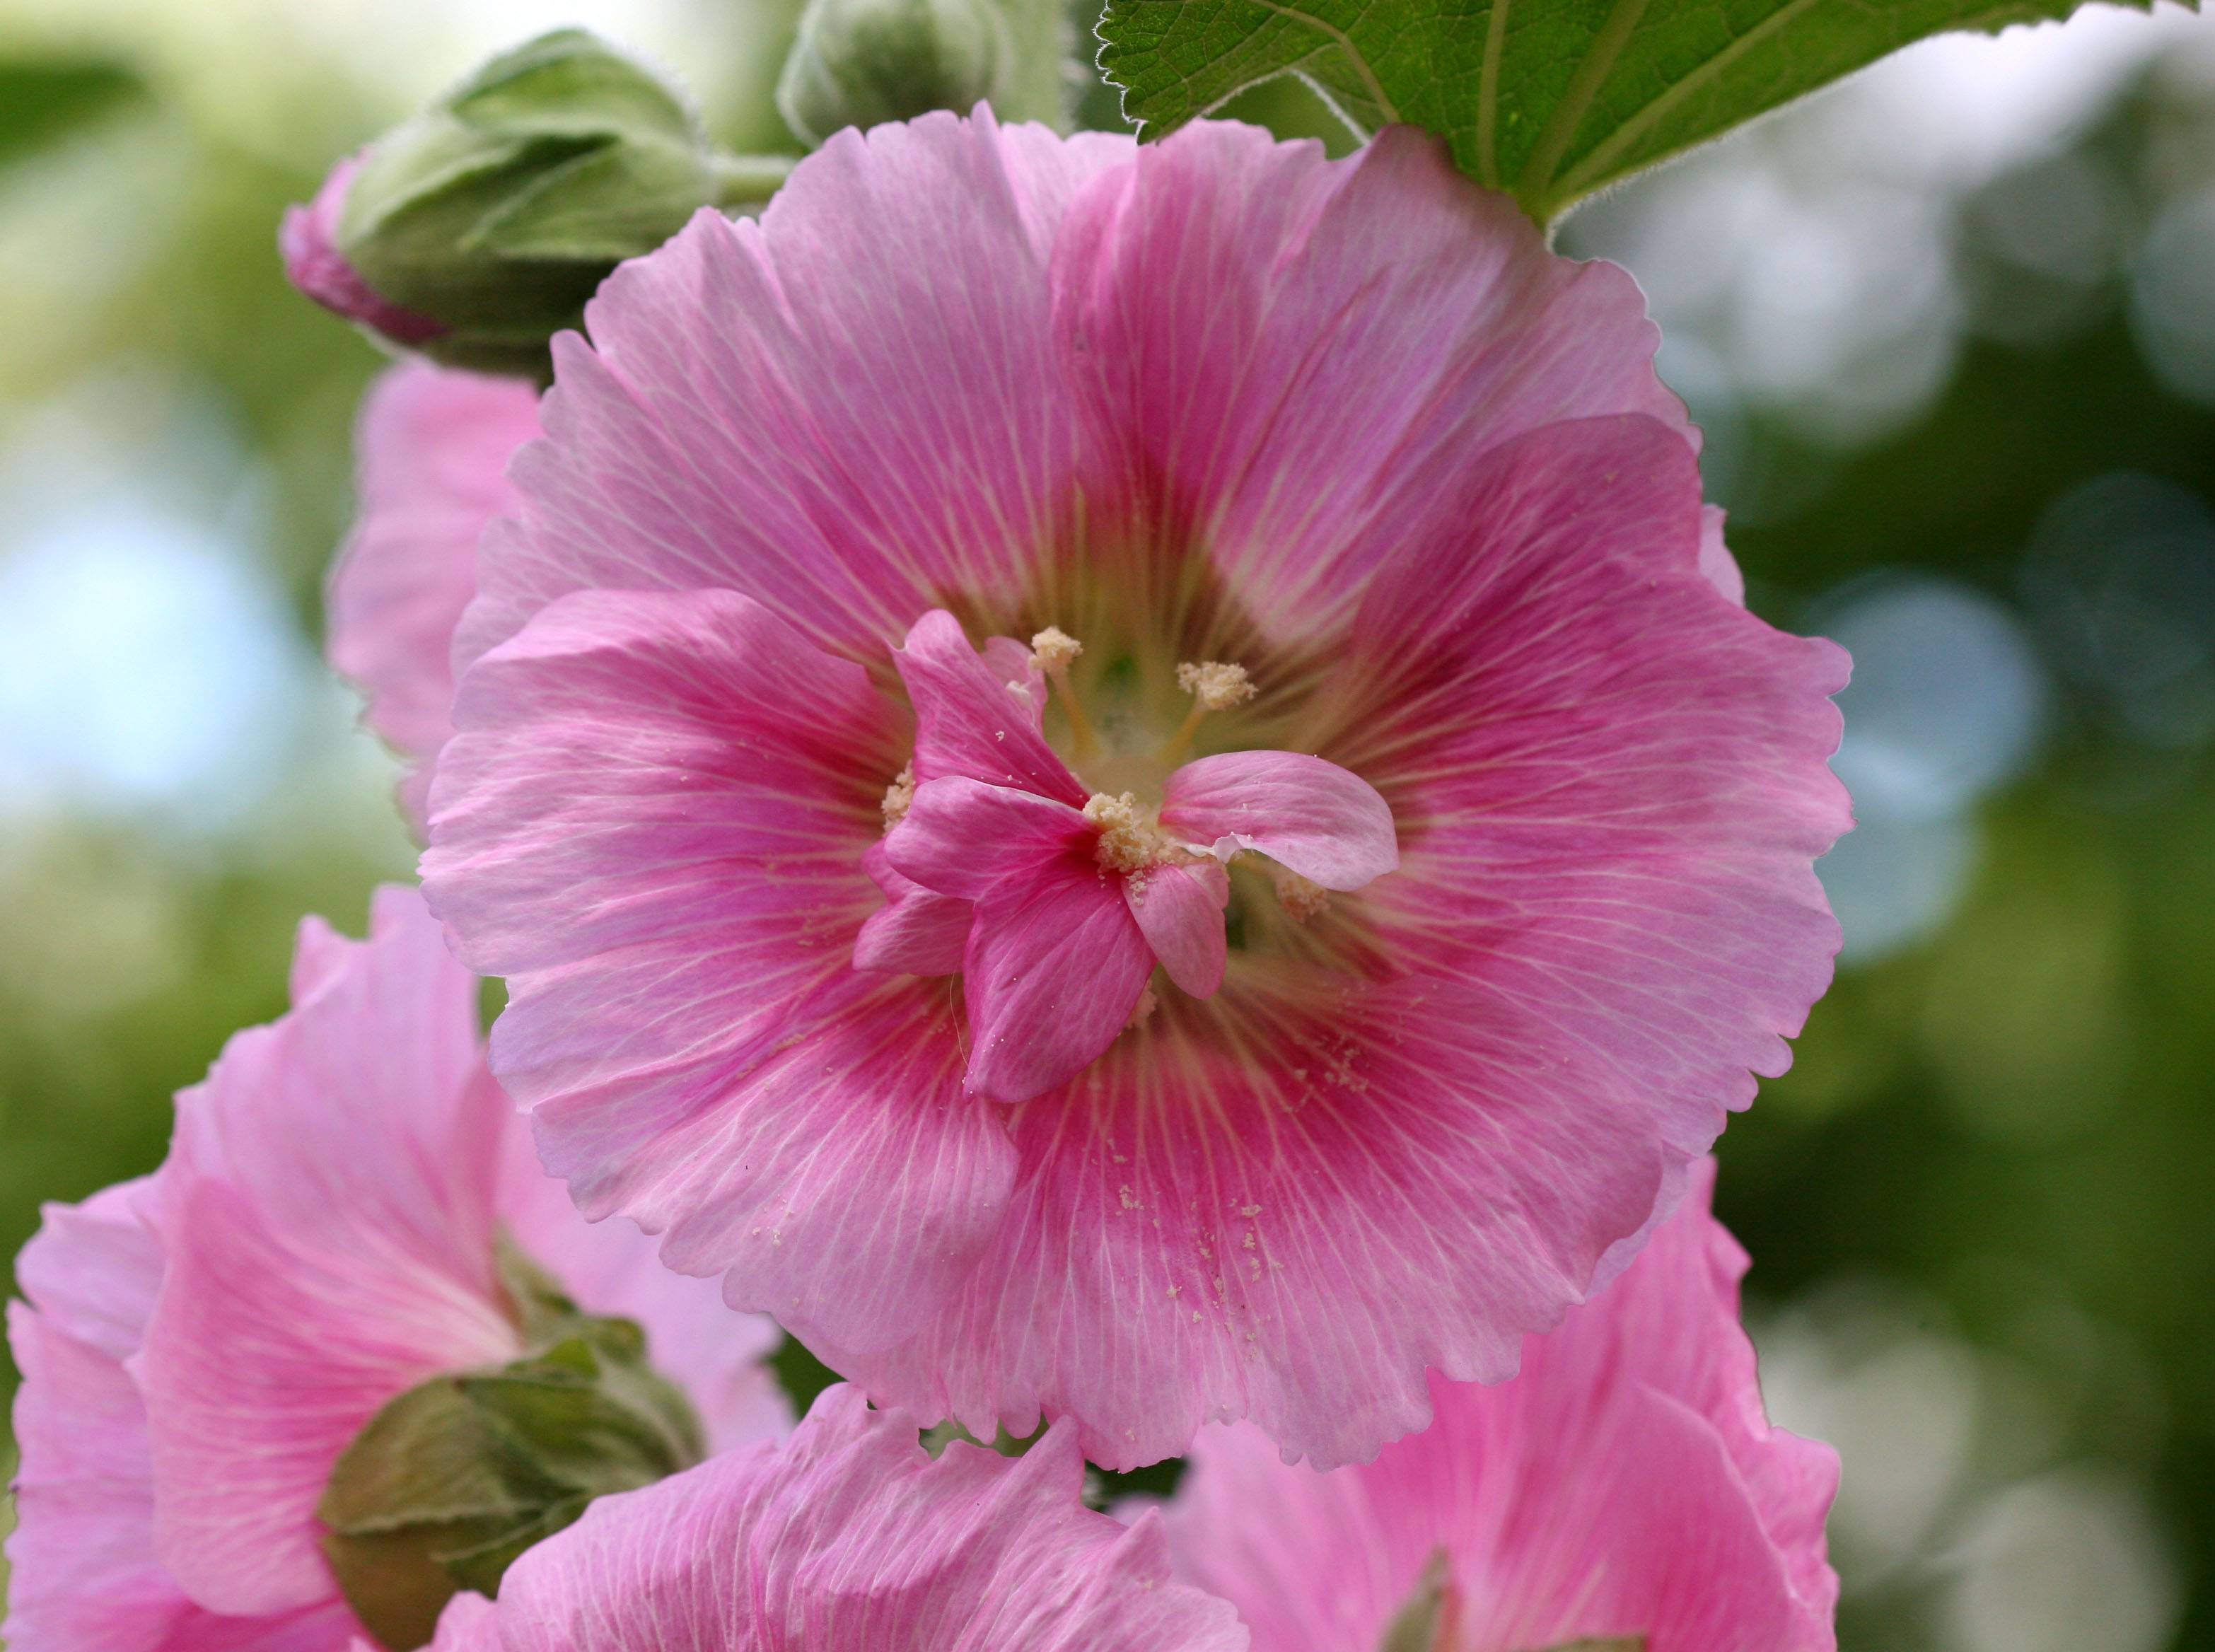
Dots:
{"x": 1143, "y": 1010}
{"x": 1301, "y": 898}
{"x": 1129, "y": 841}
{"x": 897, "y": 796}
{"x": 1054, "y": 649}
{"x": 1217, "y": 685}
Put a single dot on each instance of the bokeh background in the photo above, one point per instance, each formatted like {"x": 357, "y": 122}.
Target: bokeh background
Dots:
{"x": 1950, "y": 330}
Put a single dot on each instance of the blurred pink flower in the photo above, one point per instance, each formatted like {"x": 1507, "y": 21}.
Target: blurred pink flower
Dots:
{"x": 848, "y": 1538}
{"x": 1324, "y": 476}
{"x": 201, "y": 1346}
{"x": 1625, "y": 1486}
{"x": 432, "y": 451}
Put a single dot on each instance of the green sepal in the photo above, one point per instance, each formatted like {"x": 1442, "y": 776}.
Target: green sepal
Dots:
{"x": 497, "y": 212}
{"x": 453, "y": 1479}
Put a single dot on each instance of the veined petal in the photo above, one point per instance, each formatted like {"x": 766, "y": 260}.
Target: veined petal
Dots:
{"x": 1625, "y": 1484}
{"x": 1284, "y": 1213}
{"x": 1303, "y": 351}
{"x": 849, "y": 1538}
{"x": 1055, "y": 966}
{"x": 1180, "y": 911}
{"x": 842, "y": 409}
{"x": 433, "y": 447}
{"x": 917, "y": 931}
{"x": 973, "y": 721}
{"x": 1324, "y": 822}
{"x": 960, "y": 836}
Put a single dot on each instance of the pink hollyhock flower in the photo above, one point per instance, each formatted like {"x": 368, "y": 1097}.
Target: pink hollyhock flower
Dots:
{"x": 198, "y": 1348}
{"x": 432, "y": 448}
{"x": 1624, "y": 1491}
{"x": 848, "y": 1538}
{"x": 1281, "y": 570}
{"x": 307, "y": 240}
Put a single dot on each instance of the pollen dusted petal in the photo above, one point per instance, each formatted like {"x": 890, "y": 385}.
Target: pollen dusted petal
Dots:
{"x": 1179, "y": 911}
{"x": 969, "y": 721}
{"x": 961, "y": 836}
{"x": 1625, "y": 1484}
{"x": 1055, "y": 966}
{"x": 917, "y": 931}
{"x": 1328, "y": 825}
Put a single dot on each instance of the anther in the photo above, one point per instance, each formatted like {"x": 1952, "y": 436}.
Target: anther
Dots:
{"x": 1129, "y": 841}
{"x": 1301, "y": 898}
{"x": 1214, "y": 685}
{"x": 897, "y": 796}
{"x": 1053, "y": 650}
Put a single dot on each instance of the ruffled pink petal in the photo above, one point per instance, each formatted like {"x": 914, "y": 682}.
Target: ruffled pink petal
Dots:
{"x": 327, "y": 1223}
{"x": 1717, "y": 566}
{"x": 1300, "y": 349}
{"x": 849, "y": 1538}
{"x": 1326, "y": 824}
{"x": 85, "y": 1574}
{"x": 1611, "y": 782}
{"x": 843, "y": 409}
{"x": 960, "y": 836}
{"x": 1180, "y": 911}
{"x": 917, "y": 931}
{"x": 1286, "y": 1213}
{"x": 432, "y": 448}
{"x": 972, "y": 720}
{"x": 307, "y": 240}
{"x": 1625, "y": 1484}
{"x": 697, "y": 1049}
{"x": 1055, "y": 968}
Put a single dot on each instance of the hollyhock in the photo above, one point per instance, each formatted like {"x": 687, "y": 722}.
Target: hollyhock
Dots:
{"x": 200, "y": 1348}
{"x": 1625, "y": 1491}
{"x": 1281, "y": 570}
{"x": 847, "y": 1538}
{"x": 432, "y": 448}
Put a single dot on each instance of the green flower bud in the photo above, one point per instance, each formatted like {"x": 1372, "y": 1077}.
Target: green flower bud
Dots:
{"x": 860, "y": 63}
{"x": 452, "y": 1480}
{"x": 478, "y": 230}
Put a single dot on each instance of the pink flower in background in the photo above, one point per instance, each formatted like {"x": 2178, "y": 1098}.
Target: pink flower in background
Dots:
{"x": 847, "y": 1538}
{"x": 1625, "y": 1489}
{"x": 432, "y": 448}
{"x": 1329, "y": 617}
{"x": 200, "y": 1348}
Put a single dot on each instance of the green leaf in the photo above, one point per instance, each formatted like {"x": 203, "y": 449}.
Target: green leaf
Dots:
{"x": 1552, "y": 98}
{"x": 41, "y": 102}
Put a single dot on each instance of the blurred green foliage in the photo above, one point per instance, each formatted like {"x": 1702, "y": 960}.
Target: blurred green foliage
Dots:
{"x": 2004, "y": 1131}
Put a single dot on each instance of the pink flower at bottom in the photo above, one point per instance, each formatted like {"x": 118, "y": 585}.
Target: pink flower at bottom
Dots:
{"x": 1349, "y": 849}
{"x": 1625, "y": 1487}
{"x": 431, "y": 471}
{"x": 848, "y": 1538}
{"x": 200, "y": 1347}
